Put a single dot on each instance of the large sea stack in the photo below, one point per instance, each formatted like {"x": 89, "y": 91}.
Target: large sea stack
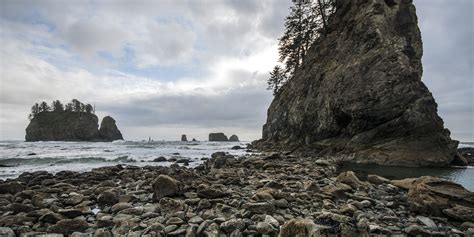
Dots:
{"x": 71, "y": 126}
{"x": 359, "y": 93}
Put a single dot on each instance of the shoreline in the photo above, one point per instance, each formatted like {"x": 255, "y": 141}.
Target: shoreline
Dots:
{"x": 259, "y": 195}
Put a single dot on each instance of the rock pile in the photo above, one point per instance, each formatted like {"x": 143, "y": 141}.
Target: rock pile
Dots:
{"x": 259, "y": 195}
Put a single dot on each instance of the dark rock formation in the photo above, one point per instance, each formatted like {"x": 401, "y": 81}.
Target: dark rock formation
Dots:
{"x": 468, "y": 154}
{"x": 359, "y": 92}
{"x": 108, "y": 130}
{"x": 184, "y": 138}
{"x": 233, "y": 138}
{"x": 71, "y": 126}
{"x": 217, "y": 137}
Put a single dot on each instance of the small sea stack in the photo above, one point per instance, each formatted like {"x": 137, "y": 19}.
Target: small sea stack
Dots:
{"x": 218, "y": 137}
{"x": 184, "y": 138}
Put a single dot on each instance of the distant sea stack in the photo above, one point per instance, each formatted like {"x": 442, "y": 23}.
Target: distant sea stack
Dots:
{"x": 218, "y": 137}
{"x": 75, "y": 122}
{"x": 184, "y": 138}
{"x": 108, "y": 130}
{"x": 233, "y": 138}
{"x": 359, "y": 93}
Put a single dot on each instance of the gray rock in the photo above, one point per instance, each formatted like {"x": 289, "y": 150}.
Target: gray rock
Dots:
{"x": 233, "y": 138}
{"x": 217, "y": 137}
{"x": 68, "y": 226}
{"x": 427, "y": 222}
{"x": 264, "y": 228}
{"x": 363, "y": 107}
{"x": 231, "y": 225}
{"x": 108, "y": 130}
{"x": 108, "y": 198}
{"x": 184, "y": 138}
{"x": 165, "y": 186}
{"x": 7, "y": 232}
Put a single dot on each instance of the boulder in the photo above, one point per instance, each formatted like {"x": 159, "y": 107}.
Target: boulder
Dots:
{"x": 68, "y": 226}
{"x": 184, "y": 138}
{"x": 164, "y": 186}
{"x": 218, "y": 137}
{"x": 299, "y": 228}
{"x": 468, "y": 154}
{"x": 108, "y": 130}
{"x": 359, "y": 94}
{"x": 11, "y": 187}
{"x": 233, "y": 138}
{"x": 108, "y": 198}
{"x": 433, "y": 195}
{"x": 6, "y": 232}
{"x": 351, "y": 179}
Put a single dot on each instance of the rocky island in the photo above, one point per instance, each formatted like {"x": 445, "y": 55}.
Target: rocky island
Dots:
{"x": 359, "y": 94}
{"x": 75, "y": 122}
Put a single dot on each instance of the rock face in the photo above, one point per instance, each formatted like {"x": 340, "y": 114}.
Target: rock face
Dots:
{"x": 233, "y": 138}
{"x": 184, "y": 138}
{"x": 218, "y": 137}
{"x": 359, "y": 92}
{"x": 436, "y": 196}
{"x": 71, "y": 126}
{"x": 108, "y": 130}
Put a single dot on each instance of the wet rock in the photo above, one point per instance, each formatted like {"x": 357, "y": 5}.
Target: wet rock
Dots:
{"x": 375, "y": 179}
{"x": 121, "y": 206}
{"x": 416, "y": 230}
{"x": 231, "y": 225}
{"x": 11, "y": 187}
{"x": 19, "y": 207}
{"x": 165, "y": 186}
{"x": 264, "y": 228}
{"x": 51, "y": 217}
{"x": 68, "y": 226}
{"x": 160, "y": 159}
{"x": 427, "y": 222}
{"x": 102, "y": 233}
{"x": 7, "y": 232}
{"x": 460, "y": 212}
{"x": 108, "y": 198}
{"x": 260, "y": 207}
{"x": 299, "y": 227}
{"x": 432, "y": 195}
{"x": 351, "y": 179}
{"x": 210, "y": 193}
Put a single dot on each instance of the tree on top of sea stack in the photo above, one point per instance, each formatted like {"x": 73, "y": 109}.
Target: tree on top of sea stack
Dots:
{"x": 358, "y": 94}
{"x": 74, "y": 122}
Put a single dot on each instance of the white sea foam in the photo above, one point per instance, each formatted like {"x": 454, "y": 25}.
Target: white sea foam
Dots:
{"x": 17, "y": 157}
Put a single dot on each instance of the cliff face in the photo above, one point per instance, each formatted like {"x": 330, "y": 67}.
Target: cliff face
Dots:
{"x": 359, "y": 93}
{"x": 70, "y": 126}
{"x": 108, "y": 130}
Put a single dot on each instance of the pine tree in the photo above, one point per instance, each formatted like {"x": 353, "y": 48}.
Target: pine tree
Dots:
{"x": 77, "y": 106}
{"x": 69, "y": 107}
{"x": 276, "y": 80}
{"x": 34, "y": 111}
{"x": 305, "y": 23}
{"x": 44, "y": 107}
{"x": 89, "y": 108}
{"x": 57, "y": 106}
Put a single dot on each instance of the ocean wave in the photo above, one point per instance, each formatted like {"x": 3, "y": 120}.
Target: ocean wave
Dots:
{"x": 61, "y": 160}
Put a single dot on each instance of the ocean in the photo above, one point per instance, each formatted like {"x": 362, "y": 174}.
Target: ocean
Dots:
{"x": 17, "y": 157}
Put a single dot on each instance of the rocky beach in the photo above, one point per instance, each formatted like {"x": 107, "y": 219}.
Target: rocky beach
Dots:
{"x": 268, "y": 194}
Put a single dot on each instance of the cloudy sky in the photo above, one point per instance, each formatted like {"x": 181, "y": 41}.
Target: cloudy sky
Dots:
{"x": 167, "y": 67}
